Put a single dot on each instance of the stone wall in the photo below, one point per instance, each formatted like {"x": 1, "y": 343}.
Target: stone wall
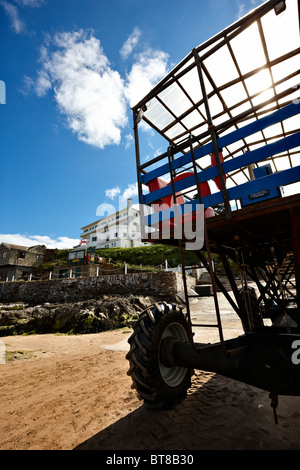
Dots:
{"x": 159, "y": 284}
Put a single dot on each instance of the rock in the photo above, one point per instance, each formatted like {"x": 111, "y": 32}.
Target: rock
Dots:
{"x": 63, "y": 315}
{"x": 88, "y": 316}
{"x": 102, "y": 316}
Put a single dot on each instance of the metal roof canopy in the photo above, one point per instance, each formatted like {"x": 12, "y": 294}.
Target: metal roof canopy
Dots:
{"x": 246, "y": 72}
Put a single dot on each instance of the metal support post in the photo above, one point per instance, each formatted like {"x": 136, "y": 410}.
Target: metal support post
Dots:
{"x": 211, "y": 128}
{"x": 186, "y": 295}
{"x": 210, "y": 262}
{"x": 295, "y": 223}
{"x": 138, "y": 164}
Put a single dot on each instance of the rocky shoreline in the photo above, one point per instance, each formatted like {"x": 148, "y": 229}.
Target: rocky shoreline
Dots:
{"x": 108, "y": 312}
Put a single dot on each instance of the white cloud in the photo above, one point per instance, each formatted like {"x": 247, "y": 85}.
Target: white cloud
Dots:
{"x": 130, "y": 43}
{"x": 131, "y": 191}
{"x": 129, "y": 141}
{"x": 32, "y": 240}
{"x": 43, "y": 83}
{"x": 105, "y": 208}
{"x": 87, "y": 90}
{"x": 150, "y": 67}
{"x": 12, "y": 12}
{"x": 30, "y": 3}
{"x": 27, "y": 86}
{"x": 244, "y": 8}
{"x": 112, "y": 193}
{"x": 241, "y": 10}
{"x": 93, "y": 97}
{"x": 255, "y": 3}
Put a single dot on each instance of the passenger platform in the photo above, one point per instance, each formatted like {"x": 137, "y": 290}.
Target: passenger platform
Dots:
{"x": 230, "y": 116}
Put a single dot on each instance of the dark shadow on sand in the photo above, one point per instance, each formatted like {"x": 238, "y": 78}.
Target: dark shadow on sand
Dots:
{"x": 218, "y": 414}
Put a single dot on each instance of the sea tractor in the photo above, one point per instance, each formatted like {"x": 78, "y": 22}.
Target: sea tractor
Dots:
{"x": 227, "y": 185}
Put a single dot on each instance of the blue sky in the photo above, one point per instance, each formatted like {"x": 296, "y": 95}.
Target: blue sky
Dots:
{"x": 72, "y": 69}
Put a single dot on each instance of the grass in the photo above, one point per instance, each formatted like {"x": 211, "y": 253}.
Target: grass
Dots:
{"x": 18, "y": 355}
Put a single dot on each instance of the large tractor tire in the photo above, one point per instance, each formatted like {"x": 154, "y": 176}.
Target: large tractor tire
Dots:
{"x": 160, "y": 386}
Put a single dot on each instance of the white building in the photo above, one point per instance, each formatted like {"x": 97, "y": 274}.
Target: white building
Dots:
{"x": 121, "y": 229}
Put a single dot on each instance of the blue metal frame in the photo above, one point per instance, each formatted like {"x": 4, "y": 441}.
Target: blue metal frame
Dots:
{"x": 292, "y": 175}
{"x": 259, "y": 125}
{"x": 278, "y": 179}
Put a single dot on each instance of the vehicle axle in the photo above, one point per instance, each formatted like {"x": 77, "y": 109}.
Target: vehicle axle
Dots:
{"x": 264, "y": 361}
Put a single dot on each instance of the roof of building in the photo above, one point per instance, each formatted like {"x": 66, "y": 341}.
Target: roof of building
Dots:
{"x": 12, "y": 246}
{"x": 81, "y": 248}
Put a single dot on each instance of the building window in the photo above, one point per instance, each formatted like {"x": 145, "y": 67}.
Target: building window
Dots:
{"x": 4, "y": 254}
{"x": 37, "y": 257}
{"x": 22, "y": 254}
{"x": 76, "y": 254}
{"x": 94, "y": 239}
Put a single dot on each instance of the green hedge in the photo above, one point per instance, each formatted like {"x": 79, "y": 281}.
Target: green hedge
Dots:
{"x": 148, "y": 255}
{"x": 154, "y": 255}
